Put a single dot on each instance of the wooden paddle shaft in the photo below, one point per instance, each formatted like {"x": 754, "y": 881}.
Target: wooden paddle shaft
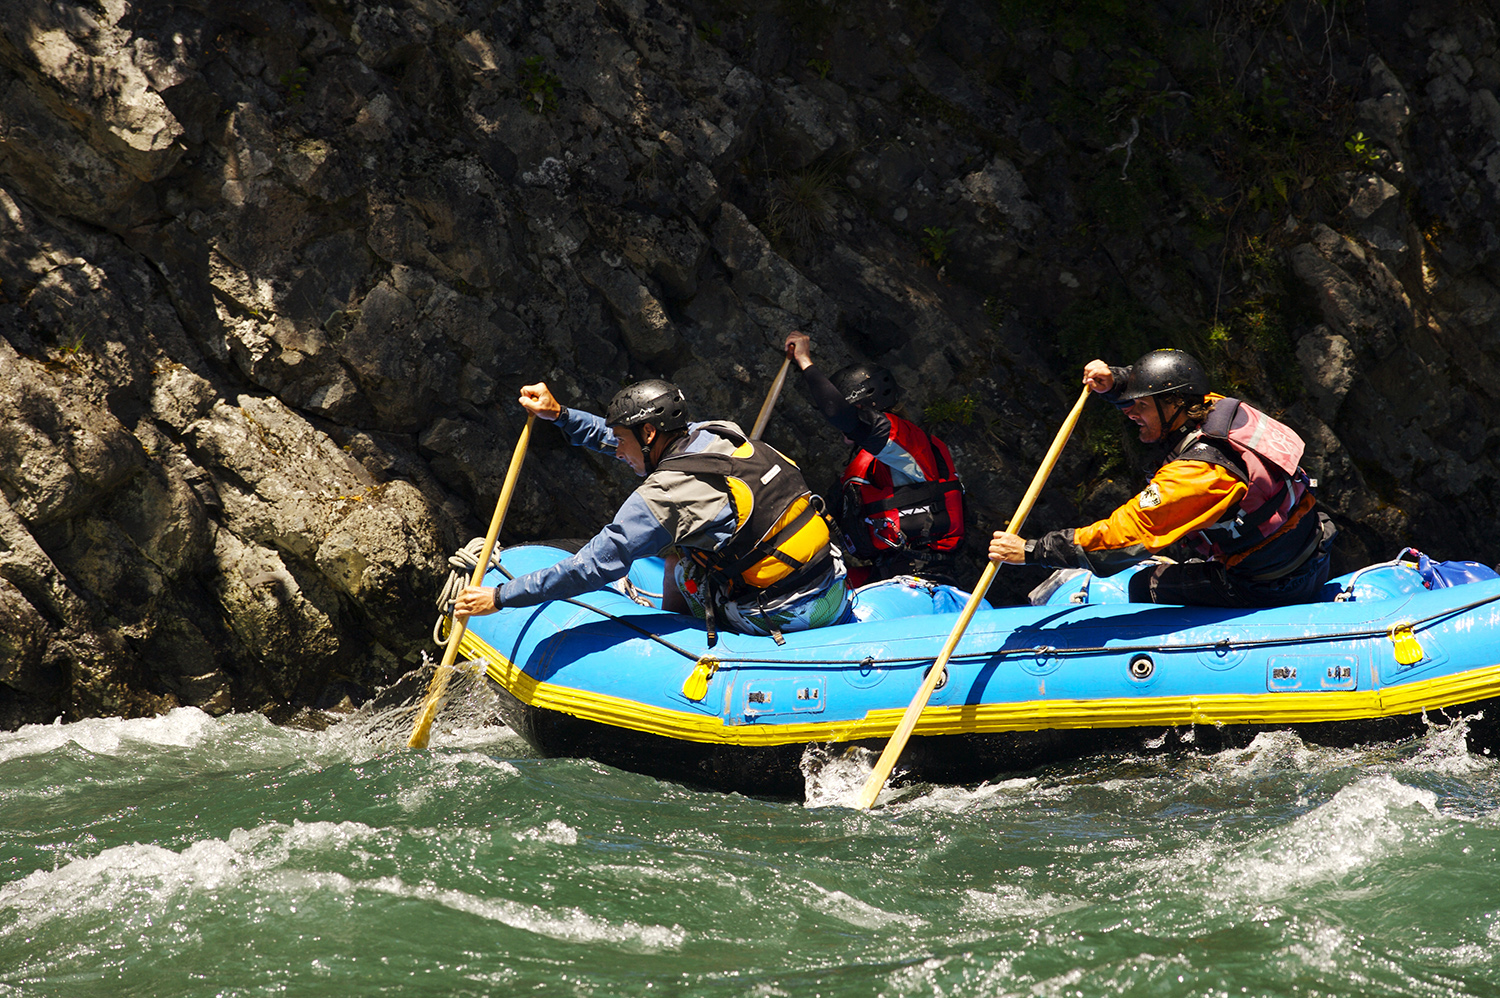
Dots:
{"x": 764, "y": 416}
{"x": 1058, "y": 442}
{"x": 893, "y": 748}
{"x": 422, "y": 729}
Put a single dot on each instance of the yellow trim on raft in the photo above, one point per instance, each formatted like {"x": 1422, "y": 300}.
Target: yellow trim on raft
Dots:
{"x": 1031, "y": 715}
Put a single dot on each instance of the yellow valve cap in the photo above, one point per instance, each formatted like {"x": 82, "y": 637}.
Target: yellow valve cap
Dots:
{"x": 1408, "y": 651}
{"x": 695, "y": 687}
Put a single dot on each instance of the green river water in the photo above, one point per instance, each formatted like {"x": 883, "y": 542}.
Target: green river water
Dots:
{"x": 191, "y": 855}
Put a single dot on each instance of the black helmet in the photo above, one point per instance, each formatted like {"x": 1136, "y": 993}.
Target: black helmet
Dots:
{"x": 658, "y": 402}
{"x": 867, "y": 385}
{"x": 1161, "y": 372}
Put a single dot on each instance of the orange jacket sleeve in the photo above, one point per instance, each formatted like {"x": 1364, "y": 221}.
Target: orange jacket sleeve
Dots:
{"x": 1184, "y": 496}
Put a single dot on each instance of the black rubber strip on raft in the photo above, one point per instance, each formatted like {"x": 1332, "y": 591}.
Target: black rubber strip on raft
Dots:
{"x": 776, "y": 771}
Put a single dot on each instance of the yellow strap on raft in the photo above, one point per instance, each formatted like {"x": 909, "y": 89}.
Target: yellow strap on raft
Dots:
{"x": 695, "y": 687}
{"x": 1408, "y": 651}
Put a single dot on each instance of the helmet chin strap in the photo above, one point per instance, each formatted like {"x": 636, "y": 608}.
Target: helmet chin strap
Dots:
{"x": 1161, "y": 414}
{"x": 646, "y": 448}
{"x": 635, "y": 431}
{"x": 662, "y": 440}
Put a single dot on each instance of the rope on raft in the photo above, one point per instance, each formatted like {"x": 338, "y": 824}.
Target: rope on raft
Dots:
{"x": 464, "y": 560}
{"x": 1222, "y": 644}
{"x": 462, "y": 563}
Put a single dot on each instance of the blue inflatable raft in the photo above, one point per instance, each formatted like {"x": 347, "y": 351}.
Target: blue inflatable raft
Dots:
{"x": 1395, "y": 646}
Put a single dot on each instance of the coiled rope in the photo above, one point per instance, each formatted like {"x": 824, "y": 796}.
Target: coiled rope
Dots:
{"x": 462, "y": 562}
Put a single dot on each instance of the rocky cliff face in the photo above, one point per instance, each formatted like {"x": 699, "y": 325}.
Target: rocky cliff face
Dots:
{"x": 272, "y": 273}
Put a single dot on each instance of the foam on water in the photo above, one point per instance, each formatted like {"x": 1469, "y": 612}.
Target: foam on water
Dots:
{"x": 232, "y": 741}
{"x": 1012, "y": 901}
{"x": 185, "y": 727}
{"x": 953, "y": 975}
{"x": 449, "y": 772}
{"x": 255, "y": 859}
{"x": 1277, "y": 752}
{"x": 854, "y": 911}
{"x": 1444, "y": 750}
{"x": 834, "y": 780}
{"x": 941, "y": 800}
{"x": 555, "y": 832}
{"x": 152, "y": 882}
{"x": 564, "y": 924}
{"x": 1374, "y": 819}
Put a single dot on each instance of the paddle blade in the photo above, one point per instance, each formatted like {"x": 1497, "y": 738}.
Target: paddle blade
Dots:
{"x": 447, "y": 682}
{"x": 421, "y": 731}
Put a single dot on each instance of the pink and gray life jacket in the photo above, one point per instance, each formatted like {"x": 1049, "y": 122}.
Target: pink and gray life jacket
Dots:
{"x": 1263, "y": 537}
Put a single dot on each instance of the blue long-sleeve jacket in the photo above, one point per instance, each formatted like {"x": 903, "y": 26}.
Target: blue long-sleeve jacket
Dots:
{"x": 635, "y": 532}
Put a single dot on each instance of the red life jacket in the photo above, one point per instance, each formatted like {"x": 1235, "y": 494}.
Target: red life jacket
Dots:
{"x": 1264, "y": 454}
{"x": 878, "y": 517}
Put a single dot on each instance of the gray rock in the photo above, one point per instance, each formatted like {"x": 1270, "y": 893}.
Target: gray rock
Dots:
{"x": 647, "y": 330}
{"x": 1000, "y": 187}
{"x": 1357, "y": 294}
{"x": 1385, "y": 113}
{"x": 760, "y": 276}
{"x": 1328, "y": 370}
{"x": 61, "y": 451}
{"x": 806, "y": 125}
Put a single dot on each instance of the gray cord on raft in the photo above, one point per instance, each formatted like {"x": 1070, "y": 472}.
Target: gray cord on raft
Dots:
{"x": 462, "y": 561}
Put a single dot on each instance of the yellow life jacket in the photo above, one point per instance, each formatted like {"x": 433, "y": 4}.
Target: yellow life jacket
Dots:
{"x": 781, "y": 536}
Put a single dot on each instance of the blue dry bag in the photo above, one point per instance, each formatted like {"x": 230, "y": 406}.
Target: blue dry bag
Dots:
{"x": 1441, "y": 574}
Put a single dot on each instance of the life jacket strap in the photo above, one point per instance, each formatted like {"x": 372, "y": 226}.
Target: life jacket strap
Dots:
{"x": 911, "y": 495}
{"x": 1295, "y": 563}
{"x": 709, "y": 622}
{"x": 724, "y": 574}
{"x": 1295, "y": 518}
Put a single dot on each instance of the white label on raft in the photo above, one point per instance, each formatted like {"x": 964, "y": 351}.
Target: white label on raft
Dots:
{"x": 775, "y": 470}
